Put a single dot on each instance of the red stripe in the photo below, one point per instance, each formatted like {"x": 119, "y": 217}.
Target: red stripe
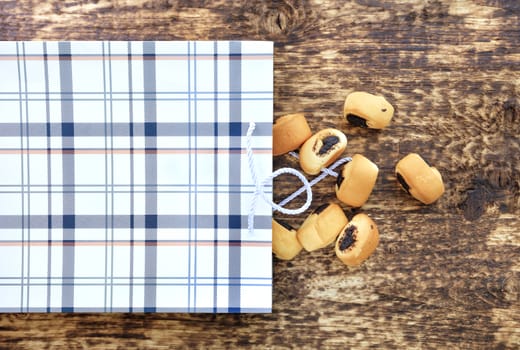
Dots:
{"x": 130, "y": 243}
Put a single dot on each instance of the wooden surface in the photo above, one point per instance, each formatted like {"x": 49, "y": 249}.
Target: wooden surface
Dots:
{"x": 444, "y": 276}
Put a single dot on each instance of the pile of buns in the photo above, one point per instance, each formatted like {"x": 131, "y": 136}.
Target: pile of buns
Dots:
{"x": 357, "y": 239}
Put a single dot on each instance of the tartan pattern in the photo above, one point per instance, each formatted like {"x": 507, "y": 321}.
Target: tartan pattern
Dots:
{"x": 124, "y": 183}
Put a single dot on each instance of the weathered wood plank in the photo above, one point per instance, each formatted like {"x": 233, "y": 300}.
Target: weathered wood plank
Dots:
{"x": 445, "y": 275}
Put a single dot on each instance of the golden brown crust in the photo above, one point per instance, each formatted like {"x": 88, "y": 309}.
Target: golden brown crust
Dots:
{"x": 285, "y": 244}
{"x": 368, "y": 110}
{"x": 357, "y": 240}
{"x": 321, "y": 227}
{"x": 420, "y": 180}
{"x": 289, "y": 133}
{"x": 356, "y": 181}
{"x": 321, "y": 150}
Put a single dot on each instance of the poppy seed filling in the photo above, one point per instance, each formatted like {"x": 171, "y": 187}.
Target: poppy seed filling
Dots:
{"x": 328, "y": 143}
{"x": 340, "y": 178}
{"x": 321, "y": 208}
{"x": 349, "y": 238}
{"x": 403, "y": 183}
{"x": 357, "y": 121}
{"x": 284, "y": 224}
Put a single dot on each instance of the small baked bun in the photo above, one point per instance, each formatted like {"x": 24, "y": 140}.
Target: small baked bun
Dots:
{"x": 419, "y": 179}
{"x": 289, "y": 133}
{"x": 321, "y": 227}
{"x": 357, "y": 240}
{"x": 321, "y": 150}
{"x": 356, "y": 181}
{"x": 285, "y": 244}
{"x": 367, "y": 110}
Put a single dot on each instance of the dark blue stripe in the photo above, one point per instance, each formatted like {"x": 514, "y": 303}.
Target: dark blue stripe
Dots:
{"x": 150, "y": 129}
{"x": 68, "y": 222}
{"x": 150, "y": 114}
{"x": 137, "y": 309}
{"x": 131, "y": 170}
{"x": 234, "y": 206}
{"x": 49, "y": 177}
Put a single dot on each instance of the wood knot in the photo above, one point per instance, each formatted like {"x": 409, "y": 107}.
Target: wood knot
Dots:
{"x": 503, "y": 290}
{"x": 434, "y": 9}
{"x": 504, "y": 116}
{"x": 157, "y": 4}
{"x": 511, "y": 111}
{"x": 278, "y": 17}
{"x": 510, "y": 288}
{"x": 496, "y": 189}
{"x": 276, "y": 21}
{"x": 392, "y": 248}
{"x": 476, "y": 201}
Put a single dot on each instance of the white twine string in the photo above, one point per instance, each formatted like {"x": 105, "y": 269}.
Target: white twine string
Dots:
{"x": 259, "y": 186}
{"x": 324, "y": 173}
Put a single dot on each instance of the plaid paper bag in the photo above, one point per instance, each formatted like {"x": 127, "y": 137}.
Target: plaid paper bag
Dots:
{"x": 124, "y": 183}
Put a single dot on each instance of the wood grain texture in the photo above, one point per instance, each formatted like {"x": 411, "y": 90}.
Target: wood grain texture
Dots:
{"x": 445, "y": 275}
